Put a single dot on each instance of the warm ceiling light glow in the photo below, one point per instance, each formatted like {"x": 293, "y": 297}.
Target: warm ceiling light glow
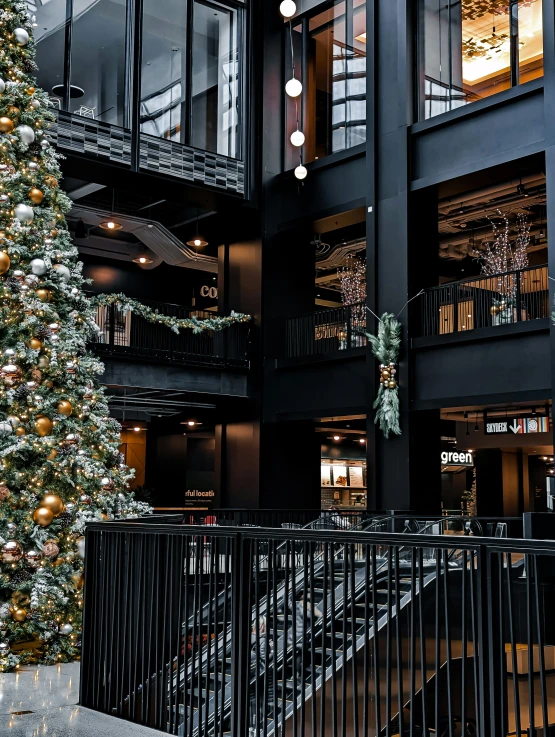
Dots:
{"x": 191, "y": 423}
{"x": 137, "y": 429}
{"x": 293, "y": 87}
{"x": 336, "y": 437}
{"x": 142, "y": 260}
{"x": 110, "y": 225}
{"x": 197, "y": 242}
{"x": 301, "y": 172}
{"x": 362, "y": 440}
{"x": 288, "y": 8}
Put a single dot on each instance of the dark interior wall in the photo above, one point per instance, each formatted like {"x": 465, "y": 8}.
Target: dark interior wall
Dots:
{"x": 489, "y": 482}
{"x": 164, "y": 284}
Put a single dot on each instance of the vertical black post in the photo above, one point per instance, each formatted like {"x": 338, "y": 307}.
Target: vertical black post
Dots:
{"x": 515, "y": 47}
{"x": 240, "y": 634}
{"x": 456, "y": 308}
{"x": 349, "y": 56}
{"x": 67, "y": 55}
{"x": 111, "y": 325}
{"x": 518, "y": 298}
{"x": 187, "y": 83}
{"x": 135, "y": 34}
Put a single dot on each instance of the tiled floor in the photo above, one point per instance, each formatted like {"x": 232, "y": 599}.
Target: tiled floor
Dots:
{"x": 39, "y": 701}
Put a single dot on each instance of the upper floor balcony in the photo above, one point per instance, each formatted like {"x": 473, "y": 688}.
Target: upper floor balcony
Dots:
{"x": 139, "y": 353}
{"x": 483, "y": 304}
{"x": 149, "y": 86}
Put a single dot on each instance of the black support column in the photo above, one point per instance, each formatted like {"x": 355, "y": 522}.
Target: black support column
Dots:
{"x": 549, "y": 102}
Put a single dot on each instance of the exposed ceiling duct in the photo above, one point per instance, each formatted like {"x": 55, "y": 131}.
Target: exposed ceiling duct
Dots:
{"x": 156, "y": 237}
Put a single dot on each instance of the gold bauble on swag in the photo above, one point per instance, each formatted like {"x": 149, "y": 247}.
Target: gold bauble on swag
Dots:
{"x": 6, "y": 125}
{"x": 43, "y": 516}
{"x": 36, "y": 195}
{"x": 4, "y": 262}
{"x": 53, "y": 503}
{"x": 65, "y": 408}
{"x": 43, "y": 425}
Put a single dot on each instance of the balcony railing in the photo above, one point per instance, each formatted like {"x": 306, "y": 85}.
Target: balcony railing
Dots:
{"x": 486, "y": 301}
{"x": 125, "y": 334}
{"x": 325, "y": 331}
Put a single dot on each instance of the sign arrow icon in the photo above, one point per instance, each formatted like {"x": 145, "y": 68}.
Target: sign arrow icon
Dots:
{"x": 515, "y": 427}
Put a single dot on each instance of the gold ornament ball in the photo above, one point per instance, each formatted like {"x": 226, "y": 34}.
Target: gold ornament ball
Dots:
{"x": 36, "y": 195}
{"x": 43, "y": 516}
{"x": 4, "y": 262}
{"x": 53, "y": 453}
{"x": 11, "y": 552}
{"x": 78, "y": 580}
{"x": 44, "y": 295}
{"x": 104, "y": 516}
{"x": 35, "y": 344}
{"x": 20, "y": 431}
{"x": 13, "y": 111}
{"x": 53, "y": 503}
{"x": 494, "y": 310}
{"x": 51, "y": 182}
{"x": 392, "y": 384}
{"x": 43, "y": 426}
{"x": 385, "y": 374}
{"x": 65, "y": 408}
{"x": 44, "y": 362}
{"x": 6, "y": 125}
{"x": 20, "y": 615}
{"x": 49, "y": 384}
{"x": 30, "y": 90}
{"x": 58, "y": 562}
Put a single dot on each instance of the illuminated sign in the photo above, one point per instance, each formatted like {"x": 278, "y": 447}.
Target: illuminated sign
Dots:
{"x": 453, "y": 458}
{"x": 517, "y": 426}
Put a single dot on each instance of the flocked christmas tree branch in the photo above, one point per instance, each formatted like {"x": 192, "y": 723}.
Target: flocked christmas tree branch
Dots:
{"x": 126, "y": 304}
{"x": 385, "y": 347}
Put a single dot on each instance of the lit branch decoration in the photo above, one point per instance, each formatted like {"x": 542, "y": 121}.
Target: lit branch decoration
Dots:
{"x": 385, "y": 347}
{"x": 126, "y": 304}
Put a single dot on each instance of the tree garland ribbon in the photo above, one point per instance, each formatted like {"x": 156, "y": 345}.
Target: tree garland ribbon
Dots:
{"x": 197, "y": 325}
{"x": 386, "y": 346}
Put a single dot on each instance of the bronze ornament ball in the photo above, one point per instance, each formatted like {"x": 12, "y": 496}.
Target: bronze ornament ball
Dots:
{"x": 11, "y": 552}
{"x": 4, "y": 262}
{"x": 20, "y": 615}
{"x": 43, "y": 426}
{"x": 20, "y": 431}
{"x": 494, "y": 310}
{"x": 53, "y": 503}
{"x": 50, "y": 549}
{"x": 35, "y": 344}
{"x": 53, "y": 453}
{"x": 4, "y": 492}
{"x": 78, "y": 580}
{"x": 65, "y": 408}
{"x": 392, "y": 384}
{"x": 43, "y": 516}
{"x": 6, "y": 125}
{"x": 44, "y": 295}
{"x": 36, "y": 195}
{"x": 33, "y": 558}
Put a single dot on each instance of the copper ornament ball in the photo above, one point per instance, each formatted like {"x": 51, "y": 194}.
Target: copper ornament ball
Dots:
{"x": 20, "y": 431}
{"x": 35, "y": 344}
{"x": 43, "y": 426}
{"x": 11, "y": 552}
{"x": 4, "y": 262}
{"x": 20, "y": 615}
{"x": 43, "y": 516}
{"x": 50, "y": 549}
{"x": 65, "y": 408}
{"x": 4, "y": 492}
{"x": 53, "y": 453}
{"x": 36, "y": 195}
{"x": 54, "y": 503}
{"x": 6, "y": 124}
{"x": 33, "y": 558}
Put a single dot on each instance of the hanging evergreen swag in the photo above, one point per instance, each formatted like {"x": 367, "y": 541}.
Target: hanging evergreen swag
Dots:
{"x": 385, "y": 347}
{"x": 175, "y": 324}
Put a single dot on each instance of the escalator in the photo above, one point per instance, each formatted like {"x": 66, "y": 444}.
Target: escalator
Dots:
{"x": 343, "y": 614}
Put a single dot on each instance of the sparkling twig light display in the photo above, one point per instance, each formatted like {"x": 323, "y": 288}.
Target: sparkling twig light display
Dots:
{"x": 352, "y": 278}
{"x": 60, "y": 464}
{"x": 126, "y": 304}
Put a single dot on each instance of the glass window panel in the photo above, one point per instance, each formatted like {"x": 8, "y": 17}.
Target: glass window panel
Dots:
{"x": 163, "y": 69}
{"x": 98, "y": 60}
{"x": 49, "y": 36}
{"x": 334, "y": 102}
{"x": 476, "y": 48}
{"x": 215, "y": 79}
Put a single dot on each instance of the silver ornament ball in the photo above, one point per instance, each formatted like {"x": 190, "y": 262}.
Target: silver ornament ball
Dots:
{"x": 21, "y": 36}
{"x": 2, "y": 86}
{"x": 63, "y": 271}
{"x": 38, "y": 267}
{"x": 24, "y": 213}
{"x": 35, "y": 104}
{"x": 44, "y": 143}
{"x": 4, "y": 648}
{"x": 5, "y": 428}
{"x": 81, "y": 547}
{"x": 66, "y": 629}
{"x": 26, "y": 133}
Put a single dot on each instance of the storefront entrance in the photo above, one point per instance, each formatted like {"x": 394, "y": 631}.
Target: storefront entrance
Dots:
{"x": 497, "y": 461}
{"x": 343, "y": 463}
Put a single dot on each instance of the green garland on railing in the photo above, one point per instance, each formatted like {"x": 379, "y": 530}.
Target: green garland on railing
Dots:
{"x": 385, "y": 347}
{"x": 126, "y": 304}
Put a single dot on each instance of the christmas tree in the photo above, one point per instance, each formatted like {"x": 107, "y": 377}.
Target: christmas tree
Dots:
{"x": 60, "y": 465}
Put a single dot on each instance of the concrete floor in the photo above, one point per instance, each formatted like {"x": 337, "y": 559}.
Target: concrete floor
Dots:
{"x": 38, "y": 701}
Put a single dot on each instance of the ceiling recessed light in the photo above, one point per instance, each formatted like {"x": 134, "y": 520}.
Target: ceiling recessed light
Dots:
{"x": 197, "y": 242}
{"x": 110, "y": 225}
{"x": 191, "y": 423}
{"x": 362, "y": 440}
{"x": 336, "y": 437}
{"x": 137, "y": 429}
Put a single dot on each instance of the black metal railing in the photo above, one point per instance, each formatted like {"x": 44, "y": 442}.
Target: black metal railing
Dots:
{"x": 486, "y": 301}
{"x": 256, "y": 632}
{"x": 325, "y": 331}
{"x": 124, "y": 333}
